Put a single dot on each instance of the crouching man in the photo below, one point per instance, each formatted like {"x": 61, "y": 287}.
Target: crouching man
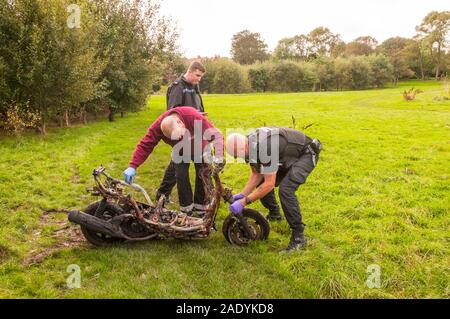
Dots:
{"x": 281, "y": 157}
{"x": 190, "y": 135}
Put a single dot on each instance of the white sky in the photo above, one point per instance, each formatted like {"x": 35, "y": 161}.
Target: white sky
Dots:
{"x": 207, "y": 26}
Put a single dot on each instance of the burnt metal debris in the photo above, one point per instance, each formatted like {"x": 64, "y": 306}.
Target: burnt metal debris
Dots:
{"x": 119, "y": 217}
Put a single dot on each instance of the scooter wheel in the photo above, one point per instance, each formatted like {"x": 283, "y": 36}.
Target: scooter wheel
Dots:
{"x": 235, "y": 234}
{"x": 98, "y": 239}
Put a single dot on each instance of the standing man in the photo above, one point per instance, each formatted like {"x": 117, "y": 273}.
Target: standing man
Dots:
{"x": 281, "y": 157}
{"x": 184, "y": 91}
{"x": 189, "y": 133}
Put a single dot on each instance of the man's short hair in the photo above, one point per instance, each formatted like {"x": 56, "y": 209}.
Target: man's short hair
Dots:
{"x": 196, "y": 65}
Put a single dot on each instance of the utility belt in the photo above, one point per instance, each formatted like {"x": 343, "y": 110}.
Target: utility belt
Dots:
{"x": 313, "y": 148}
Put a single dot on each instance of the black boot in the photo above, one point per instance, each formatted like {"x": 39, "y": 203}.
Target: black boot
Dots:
{"x": 297, "y": 241}
{"x": 274, "y": 216}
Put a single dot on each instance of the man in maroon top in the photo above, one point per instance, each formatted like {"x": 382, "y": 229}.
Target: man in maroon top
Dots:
{"x": 190, "y": 134}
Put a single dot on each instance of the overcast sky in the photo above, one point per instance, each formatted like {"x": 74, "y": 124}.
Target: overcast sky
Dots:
{"x": 207, "y": 26}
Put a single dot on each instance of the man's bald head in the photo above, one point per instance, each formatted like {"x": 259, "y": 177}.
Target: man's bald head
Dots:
{"x": 173, "y": 127}
{"x": 237, "y": 145}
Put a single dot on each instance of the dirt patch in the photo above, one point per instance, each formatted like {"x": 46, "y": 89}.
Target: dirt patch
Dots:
{"x": 75, "y": 179}
{"x": 67, "y": 236}
{"x": 5, "y": 253}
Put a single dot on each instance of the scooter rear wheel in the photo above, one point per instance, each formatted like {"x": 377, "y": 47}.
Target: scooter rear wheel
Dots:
{"x": 98, "y": 239}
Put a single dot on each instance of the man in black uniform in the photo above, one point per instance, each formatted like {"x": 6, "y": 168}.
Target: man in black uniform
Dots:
{"x": 184, "y": 91}
{"x": 281, "y": 157}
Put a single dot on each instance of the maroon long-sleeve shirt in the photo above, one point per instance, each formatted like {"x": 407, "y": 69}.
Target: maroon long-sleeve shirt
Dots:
{"x": 188, "y": 115}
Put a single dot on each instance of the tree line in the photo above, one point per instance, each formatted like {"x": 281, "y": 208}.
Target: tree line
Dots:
{"x": 69, "y": 60}
{"x": 66, "y": 60}
{"x": 321, "y": 60}
{"x": 354, "y": 73}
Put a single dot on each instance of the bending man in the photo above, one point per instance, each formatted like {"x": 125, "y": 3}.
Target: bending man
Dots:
{"x": 189, "y": 133}
{"x": 278, "y": 157}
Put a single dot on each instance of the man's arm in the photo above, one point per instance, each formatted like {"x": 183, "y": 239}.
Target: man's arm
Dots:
{"x": 263, "y": 189}
{"x": 253, "y": 181}
{"x": 212, "y": 135}
{"x": 200, "y": 107}
{"x": 267, "y": 171}
{"x": 175, "y": 97}
{"x": 146, "y": 145}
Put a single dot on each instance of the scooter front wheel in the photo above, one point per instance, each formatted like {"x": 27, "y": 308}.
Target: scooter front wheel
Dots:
{"x": 235, "y": 233}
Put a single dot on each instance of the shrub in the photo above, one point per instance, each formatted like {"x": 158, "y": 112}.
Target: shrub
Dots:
{"x": 411, "y": 94}
{"x": 382, "y": 70}
{"x": 342, "y": 73}
{"x": 224, "y": 76}
{"x": 19, "y": 117}
{"x": 307, "y": 75}
{"x": 259, "y": 75}
{"x": 285, "y": 76}
{"x": 324, "y": 72}
{"x": 360, "y": 72}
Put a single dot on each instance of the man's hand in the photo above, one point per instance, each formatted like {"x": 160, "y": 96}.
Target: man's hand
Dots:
{"x": 129, "y": 174}
{"x": 236, "y": 208}
{"x": 238, "y": 197}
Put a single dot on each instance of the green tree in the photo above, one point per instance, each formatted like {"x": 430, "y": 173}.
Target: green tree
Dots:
{"x": 324, "y": 72}
{"x": 248, "y": 47}
{"x": 8, "y": 46}
{"x": 78, "y": 67}
{"x": 394, "y": 48}
{"x": 259, "y": 75}
{"x": 434, "y": 28}
{"x": 361, "y": 46}
{"x": 342, "y": 73}
{"x": 224, "y": 76}
{"x": 176, "y": 66}
{"x": 381, "y": 70}
{"x": 352, "y": 73}
{"x": 295, "y": 48}
{"x": 324, "y": 42}
{"x": 417, "y": 56}
{"x": 136, "y": 43}
{"x": 307, "y": 76}
{"x": 285, "y": 77}
{"x": 38, "y": 58}
{"x": 57, "y": 72}
{"x": 360, "y": 72}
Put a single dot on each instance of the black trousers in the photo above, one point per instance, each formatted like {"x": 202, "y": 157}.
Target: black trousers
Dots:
{"x": 169, "y": 181}
{"x": 288, "y": 182}
{"x": 178, "y": 173}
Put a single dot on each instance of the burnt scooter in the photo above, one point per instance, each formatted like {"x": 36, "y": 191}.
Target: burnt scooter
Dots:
{"x": 119, "y": 217}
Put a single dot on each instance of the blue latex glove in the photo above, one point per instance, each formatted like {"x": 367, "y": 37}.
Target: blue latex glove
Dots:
{"x": 236, "y": 208}
{"x": 238, "y": 197}
{"x": 129, "y": 174}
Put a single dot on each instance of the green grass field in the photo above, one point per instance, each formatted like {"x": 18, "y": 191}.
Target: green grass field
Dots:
{"x": 379, "y": 195}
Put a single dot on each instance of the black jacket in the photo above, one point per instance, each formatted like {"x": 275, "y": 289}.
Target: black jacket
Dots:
{"x": 183, "y": 93}
{"x": 291, "y": 145}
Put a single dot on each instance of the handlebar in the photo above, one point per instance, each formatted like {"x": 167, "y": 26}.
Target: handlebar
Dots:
{"x": 102, "y": 171}
{"x": 97, "y": 172}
